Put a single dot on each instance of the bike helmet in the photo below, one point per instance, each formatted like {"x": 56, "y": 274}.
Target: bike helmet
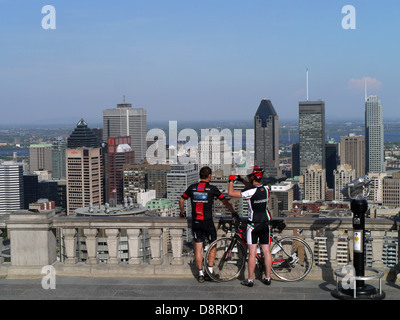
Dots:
{"x": 255, "y": 171}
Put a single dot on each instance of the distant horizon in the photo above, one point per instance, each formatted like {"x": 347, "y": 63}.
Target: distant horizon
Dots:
{"x": 92, "y": 123}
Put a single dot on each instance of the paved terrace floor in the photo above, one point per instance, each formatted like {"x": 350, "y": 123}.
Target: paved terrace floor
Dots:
{"x": 87, "y": 288}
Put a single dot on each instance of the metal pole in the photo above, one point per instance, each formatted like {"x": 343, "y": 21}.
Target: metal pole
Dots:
{"x": 359, "y": 207}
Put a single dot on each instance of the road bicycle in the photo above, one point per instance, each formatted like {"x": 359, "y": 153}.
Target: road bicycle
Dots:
{"x": 292, "y": 256}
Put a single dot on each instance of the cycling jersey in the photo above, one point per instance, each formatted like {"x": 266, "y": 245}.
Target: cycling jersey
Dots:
{"x": 257, "y": 198}
{"x": 202, "y": 198}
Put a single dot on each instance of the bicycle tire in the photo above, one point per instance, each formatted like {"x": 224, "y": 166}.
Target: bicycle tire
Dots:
{"x": 229, "y": 262}
{"x": 292, "y": 260}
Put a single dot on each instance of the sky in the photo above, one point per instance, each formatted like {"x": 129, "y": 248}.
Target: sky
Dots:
{"x": 195, "y": 60}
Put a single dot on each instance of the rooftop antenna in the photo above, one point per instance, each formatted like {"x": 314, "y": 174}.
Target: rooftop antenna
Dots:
{"x": 123, "y": 98}
{"x": 307, "y": 84}
{"x": 365, "y": 87}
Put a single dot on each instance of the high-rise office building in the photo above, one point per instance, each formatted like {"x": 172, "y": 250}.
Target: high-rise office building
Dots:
{"x": 343, "y": 175}
{"x": 314, "y": 188}
{"x": 331, "y": 162}
{"x": 266, "y": 139}
{"x": 84, "y": 137}
{"x": 84, "y": 178}
{"x": 40, "y": 157}
{"x": 127, "y": 121}
{"x": 376, "y": 186}
{"x": 295, "y": 160}
{"x": 352, "y": 152}
{"x": 31, "y": 189}
{"x": 311, "y": 134}
{"x": 391, "y": 190}
{"x": 11, "y": 187}
{"x": 216, "y": 152}
{"x": 221, "y": 182}
{"x": 58, "y": 159}
{"x": 157, "y": 178}
{"x": 179, "y": 179}
{"x": 374, "y": 137}
{"x": 284, "y": 192}
{"x": 119, "y": 153}
{"x": 134, "y": 180}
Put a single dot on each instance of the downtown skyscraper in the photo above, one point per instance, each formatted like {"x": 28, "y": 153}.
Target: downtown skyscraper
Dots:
{"x": 266, "y": 139}
{"x": 11, "y": 187}
{"x": 84, "y": 173}
{"x": 374, "y": 137}
{"x": 311, "y": 134}
{"x": 127, "y": 121}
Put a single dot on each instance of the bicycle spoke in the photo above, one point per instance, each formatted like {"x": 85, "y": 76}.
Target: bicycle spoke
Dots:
{"x": 293, "y": 261}
{"x": 229, "y": 259}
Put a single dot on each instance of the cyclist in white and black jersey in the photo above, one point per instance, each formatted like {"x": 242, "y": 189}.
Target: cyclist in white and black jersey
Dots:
{"x": 257, "y": 196}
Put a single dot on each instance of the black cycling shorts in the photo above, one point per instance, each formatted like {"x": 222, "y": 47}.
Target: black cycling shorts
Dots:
{"x": 204, "y": 229}
{"x": 258, "y": 233}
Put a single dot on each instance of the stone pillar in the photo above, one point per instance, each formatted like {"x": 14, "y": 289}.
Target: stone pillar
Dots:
{"x": 33, "y": 240}
{"x": 70, "y": 246}
{"x": 134, "y": 245}
{"x": 112, "y": 243}
{"x": 91, "y": 245}
{"x": 155, "y": 246}
{"x": 177, "y": 245}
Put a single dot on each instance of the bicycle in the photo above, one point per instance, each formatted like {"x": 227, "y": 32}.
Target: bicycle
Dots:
{"x": 292, "y": 256}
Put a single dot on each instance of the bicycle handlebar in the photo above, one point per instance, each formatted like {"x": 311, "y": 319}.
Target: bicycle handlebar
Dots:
{"x": 230, "y": 223}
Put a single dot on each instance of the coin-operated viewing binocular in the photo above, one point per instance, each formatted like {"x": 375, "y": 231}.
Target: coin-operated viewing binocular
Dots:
{"x": 357, "y": 189}
{"x": 357, "y": 192}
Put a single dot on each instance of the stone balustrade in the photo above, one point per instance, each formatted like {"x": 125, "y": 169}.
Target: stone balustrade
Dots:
{"x": 33, "y": 240}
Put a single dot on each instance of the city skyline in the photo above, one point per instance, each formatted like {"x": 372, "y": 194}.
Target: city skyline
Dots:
{"x": 204, "y": 61}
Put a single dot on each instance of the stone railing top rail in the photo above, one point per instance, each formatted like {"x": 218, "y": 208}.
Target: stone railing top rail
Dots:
{"x": 63, "y": 221}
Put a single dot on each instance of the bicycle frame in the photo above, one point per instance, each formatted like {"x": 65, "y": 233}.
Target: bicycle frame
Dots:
{"x": 289, "y": 264}
{"x": 238, "y": 235}
{"x": 272, "y": 240}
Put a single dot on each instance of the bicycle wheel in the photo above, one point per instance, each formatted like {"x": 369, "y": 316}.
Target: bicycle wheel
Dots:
{"x": 230, "y": 259}
{"x": 292, "y": 259}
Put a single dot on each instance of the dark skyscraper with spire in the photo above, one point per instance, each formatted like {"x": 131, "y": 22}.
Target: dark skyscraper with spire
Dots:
{"x": 83, "y": 136}
{"x": 266, "y": 139}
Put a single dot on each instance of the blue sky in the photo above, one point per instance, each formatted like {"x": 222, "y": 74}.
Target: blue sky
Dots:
{"x": 195, "y": 60}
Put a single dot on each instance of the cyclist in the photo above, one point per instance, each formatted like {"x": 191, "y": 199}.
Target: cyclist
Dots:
{"x": 257, "y": 196}
{"x": 202, "y": 196}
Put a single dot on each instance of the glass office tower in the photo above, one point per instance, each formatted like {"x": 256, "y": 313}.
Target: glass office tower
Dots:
{"x": 311, "y": 134}
{"x": 374, "y": 137}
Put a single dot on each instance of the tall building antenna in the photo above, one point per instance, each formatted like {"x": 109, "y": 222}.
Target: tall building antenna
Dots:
{"x": 365, "y": 87}
{"x": 307, "y": 84}
{"x": 123, "y": 98}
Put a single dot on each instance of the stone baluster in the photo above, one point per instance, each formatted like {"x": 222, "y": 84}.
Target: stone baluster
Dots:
{"x": 112, "y": 243}
{"x": 91, "y": 245}
{"x": 1, "y": 246}
{"x": 70, "y": 245}
{"x": 397, "y": 271}
{"x": 177, "y": 245}
{"x": 134, "y": 245}
{"x": 331, "y": 245}
{"x": 155, "y": 245}
{"x": 377, "y": 248}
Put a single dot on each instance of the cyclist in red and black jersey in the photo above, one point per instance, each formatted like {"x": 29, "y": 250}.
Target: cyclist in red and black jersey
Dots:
{"x": 202, "y": 196}
{"x": 257, "y": 196}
